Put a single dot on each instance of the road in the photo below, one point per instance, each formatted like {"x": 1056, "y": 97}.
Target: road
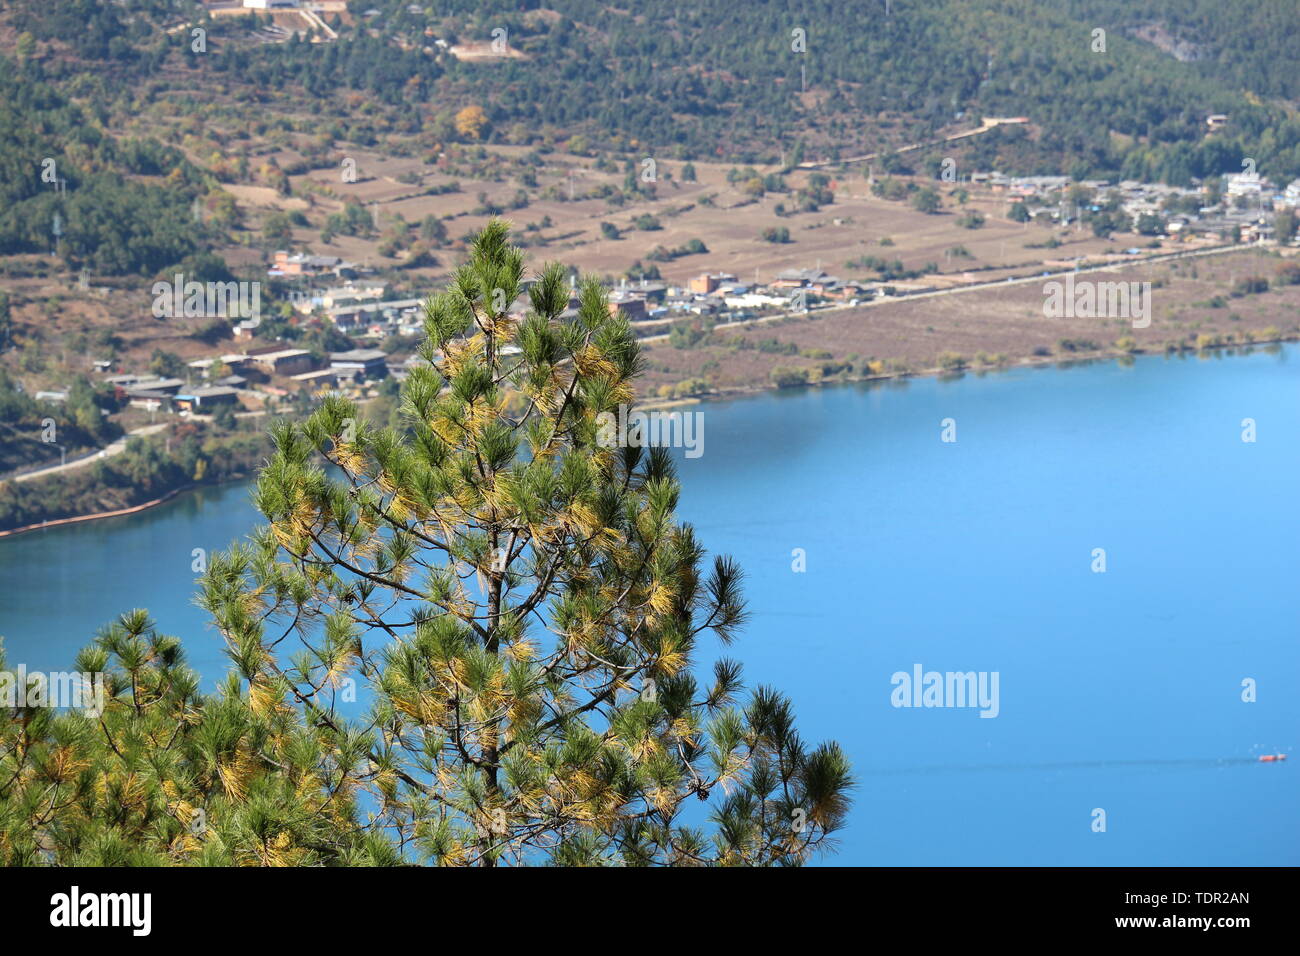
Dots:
{"x": 1040, "y": 276}
{"x": 986, "y": 124}
{"x": 116, "y": 448}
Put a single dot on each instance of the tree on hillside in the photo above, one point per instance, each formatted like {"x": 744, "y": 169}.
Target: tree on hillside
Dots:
{"x": 156, "y": 774}
{"x": 507, "y": 587}
{"x": 926, "y": 200}
{"x": 523, "y": 604}
{"x": 1284, "y": 225}
{"x": 471, "y": 121}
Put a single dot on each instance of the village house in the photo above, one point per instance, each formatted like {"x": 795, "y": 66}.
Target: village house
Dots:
{"x": 151, "y": 401}
{"x": 291, "y": 266}
{"x": 815, "y": 280}
{"x": 167, "y": 386}
{"x": 652, "y": 292}
{"x": 234, "y": 361}
{"x": 709, "y": 282}
{"x": 320, "y": 376}
{"x": 205, "y": 399}
{"x": 321, "y": 379}
{"x": 795, "y": 278}
{"x": 125, "y": 380}
{"x": 360, "y": 364}
{"x": 402, "y": 370}
{"x": 340, "y": 296}
{"x": 367, "y": 314}
{"x": 1244, "y": 185}
{"x": 631, "y": 307}
{"x": 755, "y": 300}
{"x": 282, "y": 361}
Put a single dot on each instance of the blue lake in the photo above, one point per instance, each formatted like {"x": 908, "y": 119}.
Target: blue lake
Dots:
{"x": 1118, "y": 691}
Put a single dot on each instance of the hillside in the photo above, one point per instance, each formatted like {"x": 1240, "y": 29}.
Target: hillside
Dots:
{"x": 728, "y": 80}
{"x": 140, "y": 140}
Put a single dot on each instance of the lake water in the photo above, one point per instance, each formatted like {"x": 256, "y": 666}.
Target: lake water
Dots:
{"x": 1118, "y": 691}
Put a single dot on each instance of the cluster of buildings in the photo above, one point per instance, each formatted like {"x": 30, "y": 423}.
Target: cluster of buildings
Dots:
{"x": 1245, "y": 205}
{"x": 359, "y": 309}
{"x": 364, "y": 311}
{"x": 713, "y": 293}
{"x": 225, "y": 380}
{"x": 1244, "y": 209}
{"x": 173, "y": 394}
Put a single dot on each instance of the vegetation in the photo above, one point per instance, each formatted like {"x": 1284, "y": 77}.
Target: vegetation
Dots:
{"x": 522, "y": 606}
{"x": 142, "y": 472}
{"x": 32, "y": 432}
{"x": 929, "y": 62}
{"x": 68, "y": 188}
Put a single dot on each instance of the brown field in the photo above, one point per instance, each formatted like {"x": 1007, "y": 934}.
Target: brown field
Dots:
{"x": 851, "y": 227}
{"x": 393, "y": 178}
{"x": 1007, "y": 325}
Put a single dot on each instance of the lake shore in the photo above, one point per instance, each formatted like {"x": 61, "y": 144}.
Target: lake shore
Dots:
{"x": 1001, "y": 525}
{"x": 119, "y": 512}
{"x": 736, "y": 392}
{"x": 93, "y": 517}
{"x": 1195, "y": 305}
{"x": 732, "y": 393}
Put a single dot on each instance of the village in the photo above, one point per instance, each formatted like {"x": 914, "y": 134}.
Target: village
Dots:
{"x": 352, "y": 300}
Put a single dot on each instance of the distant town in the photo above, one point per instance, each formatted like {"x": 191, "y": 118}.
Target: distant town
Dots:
{"x": 1240, "y": 209}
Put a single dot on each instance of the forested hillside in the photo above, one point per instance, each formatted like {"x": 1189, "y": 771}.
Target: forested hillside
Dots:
{"x": 67, "y": 185}
{"x": 750, "y": 83}
{"x": 719, "y": 78}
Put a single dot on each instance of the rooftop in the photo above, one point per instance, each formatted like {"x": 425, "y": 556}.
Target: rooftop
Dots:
{"x": 359, "y": 355}
{"x": 208, "y": 391}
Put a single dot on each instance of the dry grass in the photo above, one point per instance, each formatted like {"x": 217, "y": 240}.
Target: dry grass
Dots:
{"x": 1004, "y": 323}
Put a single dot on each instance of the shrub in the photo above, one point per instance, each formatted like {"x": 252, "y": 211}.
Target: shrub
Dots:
{"x": 951, "y": 361}
{"x": 785, "y": 377}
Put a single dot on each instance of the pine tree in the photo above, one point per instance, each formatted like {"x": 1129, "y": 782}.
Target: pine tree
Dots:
{"x": 509, "y": 594}
{"x": 155, "y": 773}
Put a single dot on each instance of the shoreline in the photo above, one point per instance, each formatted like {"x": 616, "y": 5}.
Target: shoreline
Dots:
{"x": 735, "y": 392}
{"x": 133, "y": 509}
{"x": 92, "y": 517}
{"x": 731, "y": 393}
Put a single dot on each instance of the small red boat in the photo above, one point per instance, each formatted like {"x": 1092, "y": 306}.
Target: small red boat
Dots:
{"x": 1270, "y": 758}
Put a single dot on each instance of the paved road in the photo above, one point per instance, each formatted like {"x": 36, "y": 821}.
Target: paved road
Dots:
{"x": 1039, "y": 276}
{"x": 985, "y": 125}
{"x": 115, "y": 448}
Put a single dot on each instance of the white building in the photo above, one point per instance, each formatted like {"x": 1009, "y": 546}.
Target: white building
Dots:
{"x": 1244, "y": 184}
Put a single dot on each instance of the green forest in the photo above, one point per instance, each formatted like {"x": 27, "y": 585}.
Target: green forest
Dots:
{"x": 744, "y": 83}
{"x": 722, "y": 79}
{"x": 68, "y": 187}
